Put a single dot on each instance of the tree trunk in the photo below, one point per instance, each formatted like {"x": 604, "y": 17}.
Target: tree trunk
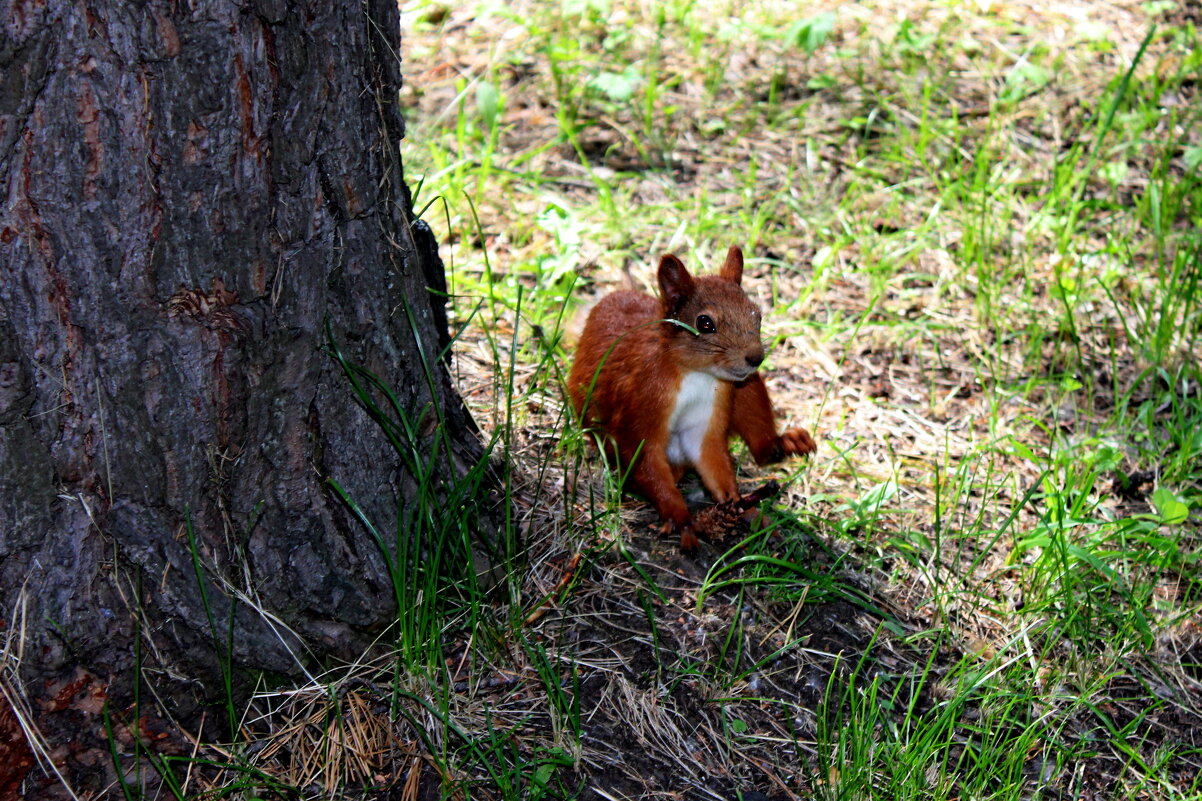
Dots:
{"x": 192, "y": 190}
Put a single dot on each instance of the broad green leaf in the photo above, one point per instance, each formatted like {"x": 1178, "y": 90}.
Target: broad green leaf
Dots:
{"x": 1193, "y": 157}
{"x": 810, "y": 34}
{"x": 1172, "y": 509}
{"x": 617, "y": 86}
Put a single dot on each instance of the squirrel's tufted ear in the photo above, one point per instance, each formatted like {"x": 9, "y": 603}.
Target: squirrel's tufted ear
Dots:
{"x": 675, "y": 283}
{"x": 732, "y": 270}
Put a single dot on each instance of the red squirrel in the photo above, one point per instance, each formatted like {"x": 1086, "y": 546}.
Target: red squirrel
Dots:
{"x": 670, "y": 380}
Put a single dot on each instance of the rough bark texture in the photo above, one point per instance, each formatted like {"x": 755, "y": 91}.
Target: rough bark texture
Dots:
{"x": 191, "y": 189}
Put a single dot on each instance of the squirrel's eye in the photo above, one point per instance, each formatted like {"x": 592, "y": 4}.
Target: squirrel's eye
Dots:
{"x": 705, "y": 325}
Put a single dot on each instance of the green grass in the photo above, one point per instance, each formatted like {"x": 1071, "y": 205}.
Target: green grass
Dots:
{"x": 978, "y": 239}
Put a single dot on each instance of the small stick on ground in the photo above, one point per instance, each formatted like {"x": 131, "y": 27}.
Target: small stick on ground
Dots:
{"x": 542, "y": 606}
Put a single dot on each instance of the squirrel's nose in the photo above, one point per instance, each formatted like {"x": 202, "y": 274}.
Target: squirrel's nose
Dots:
{"x": 754, "y": 360}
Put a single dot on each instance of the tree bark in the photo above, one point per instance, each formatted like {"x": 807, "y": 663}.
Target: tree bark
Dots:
{"x": 191, "y": 191}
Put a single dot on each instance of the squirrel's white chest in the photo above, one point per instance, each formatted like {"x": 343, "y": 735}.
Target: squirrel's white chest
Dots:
{"x": 691, "y": 418}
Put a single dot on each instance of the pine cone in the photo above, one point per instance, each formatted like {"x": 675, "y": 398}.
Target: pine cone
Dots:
{"x": 718, "y": 522}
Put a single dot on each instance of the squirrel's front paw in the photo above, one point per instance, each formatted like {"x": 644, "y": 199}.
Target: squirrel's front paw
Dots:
{"x": 794, "y": 442}
{"x": 688, "y": 539}
{"x": 797, "y": 442}
{"x": 687, "y": 532}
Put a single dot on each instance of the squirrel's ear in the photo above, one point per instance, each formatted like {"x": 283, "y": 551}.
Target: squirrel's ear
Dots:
{"x": 732, "y": 270}
{"x": 675, "y": 283}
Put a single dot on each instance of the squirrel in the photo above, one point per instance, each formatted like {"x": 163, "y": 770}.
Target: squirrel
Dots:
{"x": 670, "y": 380}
